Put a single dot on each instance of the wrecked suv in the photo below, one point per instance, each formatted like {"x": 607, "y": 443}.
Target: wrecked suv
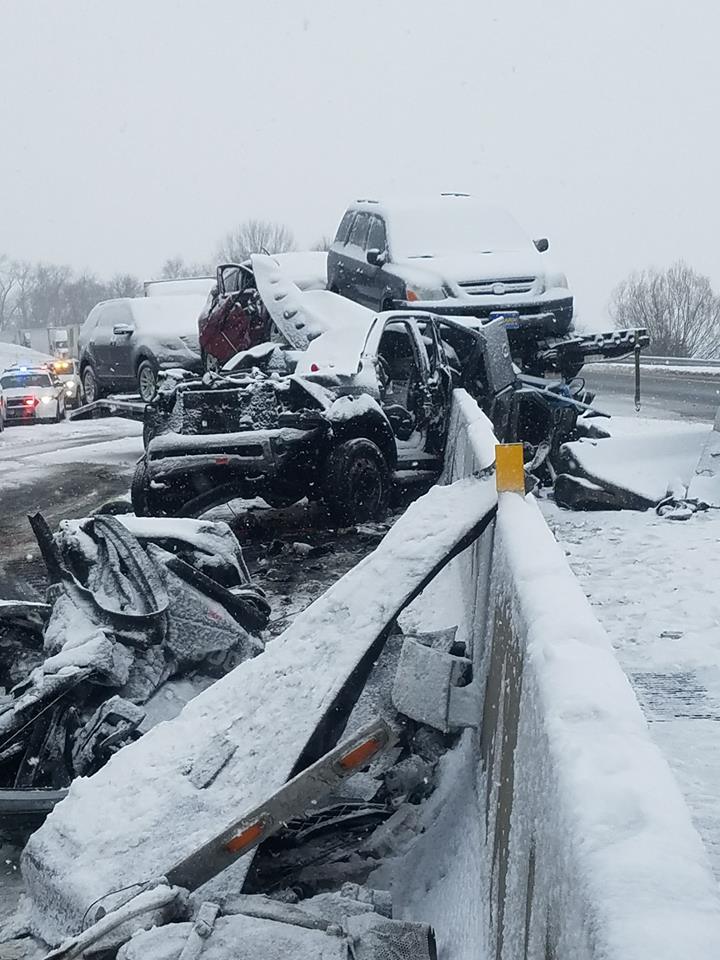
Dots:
{"x": 367, "y": 405}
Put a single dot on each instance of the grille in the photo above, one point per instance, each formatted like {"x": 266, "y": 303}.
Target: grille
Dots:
{"x": 497, "y": 288}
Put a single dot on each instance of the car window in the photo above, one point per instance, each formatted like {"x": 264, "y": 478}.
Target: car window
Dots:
{"x": 11, "y": 381}
{"x": 117, "y": 313}
{"x": 344, "y": 228}
{"x": 377, "y": 239}
{"x": 231, "y": 279}
{"x": 359, "y": 232}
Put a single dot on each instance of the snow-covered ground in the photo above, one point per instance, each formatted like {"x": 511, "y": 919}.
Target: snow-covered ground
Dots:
{"x": 11, "y": 353}
{"x": 653, "y": 585}
{"x": 27, "y": 452}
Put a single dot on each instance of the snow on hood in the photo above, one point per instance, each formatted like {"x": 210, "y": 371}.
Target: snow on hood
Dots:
{"x": 458, "y": 267}
{"x": 338, "y": 351}
{"x": 301, "y": 315}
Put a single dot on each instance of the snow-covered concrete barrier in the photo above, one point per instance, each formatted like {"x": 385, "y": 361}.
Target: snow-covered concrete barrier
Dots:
{"x": 580, "y": 845}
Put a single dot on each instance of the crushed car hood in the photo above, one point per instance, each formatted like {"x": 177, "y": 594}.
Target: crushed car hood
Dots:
{"x": 299, "y": 315}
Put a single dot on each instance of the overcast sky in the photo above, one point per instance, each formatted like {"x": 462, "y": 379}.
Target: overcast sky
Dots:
{"x": 135, "y": 130}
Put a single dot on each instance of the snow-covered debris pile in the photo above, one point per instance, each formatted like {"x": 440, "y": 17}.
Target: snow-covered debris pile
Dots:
{"x": 272, "y": 717}
{"x": 132, "y": 603}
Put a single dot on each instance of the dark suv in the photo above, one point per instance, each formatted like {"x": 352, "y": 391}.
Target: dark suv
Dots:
{"x": 124, "y": 343}
{"x": 455, "y": 256}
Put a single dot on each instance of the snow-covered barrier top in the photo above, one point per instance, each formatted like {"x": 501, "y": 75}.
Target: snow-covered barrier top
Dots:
{"x": 590, "y": 850}
{"x": 160, "y": 798}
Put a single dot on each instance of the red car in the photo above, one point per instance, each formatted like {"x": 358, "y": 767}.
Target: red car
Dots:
{"x": 235, "y": 317}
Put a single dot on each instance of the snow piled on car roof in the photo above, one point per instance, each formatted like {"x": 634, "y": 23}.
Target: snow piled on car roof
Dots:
{"x": 449, "y": 224}
{"x": 171, "y": 316}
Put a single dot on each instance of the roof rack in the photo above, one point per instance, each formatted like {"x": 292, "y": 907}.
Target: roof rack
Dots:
{"x": 454, "y": 194}
{"x": 366, "y": 200}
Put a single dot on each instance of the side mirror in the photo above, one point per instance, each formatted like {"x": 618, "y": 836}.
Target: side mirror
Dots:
{"x": 123, "y": 329}
{"x": 376, "y": 258}
{"x": 542, "y": 244}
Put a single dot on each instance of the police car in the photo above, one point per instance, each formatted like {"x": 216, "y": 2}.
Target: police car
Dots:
{"x": 32, "y": 394}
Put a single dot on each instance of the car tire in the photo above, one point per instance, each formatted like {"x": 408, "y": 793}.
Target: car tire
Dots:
{"x": 140, "y": 488}
{"x": 356, "y": 486}
{"x": 90, "y": 385}
{"x": 147, "y": 381}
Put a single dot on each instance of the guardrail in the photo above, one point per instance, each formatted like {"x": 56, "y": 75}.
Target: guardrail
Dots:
{"x": 563, "y": 833}
{"x": 670, "y": 361}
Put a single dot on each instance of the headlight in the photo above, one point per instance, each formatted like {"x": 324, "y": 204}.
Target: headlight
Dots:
{"x": 420, "y": 292}
{"x": 45, "y": 400}
{"x": 554, "y": 280}
{"x": 70, "y": 387}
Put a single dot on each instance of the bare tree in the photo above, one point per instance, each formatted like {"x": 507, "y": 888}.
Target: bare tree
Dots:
{"x": 255, "y": 236}
{"x": 324, "y": 243}
{"x": 175, "y": 268}
{"x": 678, "y": 307}
{"x": 124, "y": 285}
{"x": 8, "y": 283}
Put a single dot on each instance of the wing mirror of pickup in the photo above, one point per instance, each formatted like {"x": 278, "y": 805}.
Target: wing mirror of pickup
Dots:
{"x": 376, "y": 258}
{"x": 123, "y": 329}
{"x": 542, "y": 244}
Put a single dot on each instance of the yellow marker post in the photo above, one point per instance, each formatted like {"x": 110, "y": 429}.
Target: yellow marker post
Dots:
{"x": 509, "y": 469}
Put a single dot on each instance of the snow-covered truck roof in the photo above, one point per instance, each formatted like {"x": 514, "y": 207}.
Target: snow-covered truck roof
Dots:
{"x": 446, "y": 224}
{"x": 184, "y": 286}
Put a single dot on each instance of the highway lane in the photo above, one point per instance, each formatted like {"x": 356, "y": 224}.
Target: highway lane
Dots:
{"x": 685, "y": 396}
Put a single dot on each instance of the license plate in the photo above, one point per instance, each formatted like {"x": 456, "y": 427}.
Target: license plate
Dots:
{"x": 511, "y": 318}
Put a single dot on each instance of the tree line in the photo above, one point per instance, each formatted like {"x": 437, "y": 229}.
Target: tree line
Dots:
{"x": 53, "y": 295}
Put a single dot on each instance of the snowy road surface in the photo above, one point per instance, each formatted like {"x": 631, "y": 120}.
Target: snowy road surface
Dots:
{"x": 683, "y": 395}
{"x": 653, "y": 585}
{"x": 64, "y": 470}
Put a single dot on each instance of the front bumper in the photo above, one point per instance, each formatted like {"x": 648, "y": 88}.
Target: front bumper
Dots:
{"x": 251, "y": 454}
{"x": 537, "y": 317}
{"x": 23, "y": 414}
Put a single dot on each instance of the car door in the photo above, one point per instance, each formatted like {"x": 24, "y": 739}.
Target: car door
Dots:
{"x": 97, "y": 347}
{"x": 354, "y": 258}
{"x": 123, "y": 339}
{"x": 371, "y": 276}
{"x": 405, "y": 378}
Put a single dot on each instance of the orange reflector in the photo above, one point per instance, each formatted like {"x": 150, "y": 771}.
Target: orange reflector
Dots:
{"x": 360, "y": 755}
{"x": 245, "y": 839}
{"x": 509, "y": 468}
{"x": 411, "y": 295}
{"x": 222, "y": 460}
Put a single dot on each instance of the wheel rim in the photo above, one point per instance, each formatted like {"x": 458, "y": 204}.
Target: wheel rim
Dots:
{"x": 146, "y": 380}
{"x": 89, "y": 386}
{"x": 366, "y": 489}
